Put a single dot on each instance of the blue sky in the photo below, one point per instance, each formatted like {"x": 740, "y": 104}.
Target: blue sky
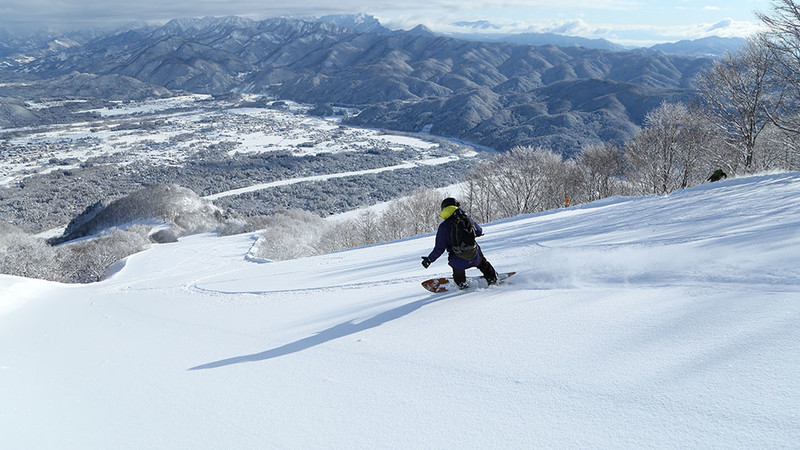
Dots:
{"x": 630, "y": 22}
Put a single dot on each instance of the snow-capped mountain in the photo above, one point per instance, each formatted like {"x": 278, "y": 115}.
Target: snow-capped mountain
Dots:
{"x": 706, "y": 47}
{"x": 364, "y": 23}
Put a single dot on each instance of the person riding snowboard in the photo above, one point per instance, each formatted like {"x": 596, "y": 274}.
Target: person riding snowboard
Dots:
{"x": 717, "y": 175}
{"x": 457, "y": 235}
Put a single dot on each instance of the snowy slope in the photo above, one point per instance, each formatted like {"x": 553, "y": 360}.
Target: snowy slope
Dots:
{"x": 657, "y": 321}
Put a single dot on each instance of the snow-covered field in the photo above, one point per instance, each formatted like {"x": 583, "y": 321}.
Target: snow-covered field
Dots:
{"x": 170, "y": 131}
{"x": 632, "y": 322}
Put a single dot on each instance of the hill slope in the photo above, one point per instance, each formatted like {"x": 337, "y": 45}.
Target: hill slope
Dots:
{"x": 656, "y": 321}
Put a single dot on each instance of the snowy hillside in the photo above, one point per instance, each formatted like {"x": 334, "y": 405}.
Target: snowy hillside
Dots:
{"x": 632, "y": 322}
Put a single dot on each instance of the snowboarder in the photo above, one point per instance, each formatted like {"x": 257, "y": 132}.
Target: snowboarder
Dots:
{"x": 457, "y": 235}
{"x": 717, "y": 175}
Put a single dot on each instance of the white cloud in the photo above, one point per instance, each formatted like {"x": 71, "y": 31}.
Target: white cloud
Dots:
{"x": 631, "y": 34}
{"x": 722, "y": 25}
{"x": 646, "y": 35}
{"x": 53, "y": 12}
{"x": 616, "y": 20}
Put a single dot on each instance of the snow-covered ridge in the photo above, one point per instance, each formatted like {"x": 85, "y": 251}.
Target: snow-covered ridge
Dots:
{"x": 667, "y": 321}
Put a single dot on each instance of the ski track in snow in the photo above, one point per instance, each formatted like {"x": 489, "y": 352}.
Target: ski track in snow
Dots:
{"x": 195, "y": 286}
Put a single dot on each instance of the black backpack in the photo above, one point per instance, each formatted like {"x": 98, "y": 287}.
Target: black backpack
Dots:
{"x": 462, "y": 236}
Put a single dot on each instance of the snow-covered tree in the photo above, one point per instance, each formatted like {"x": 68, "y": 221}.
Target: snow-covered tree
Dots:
{"x": 520, "y": 181}
{"x": 671, "y": 152}
{"x": 602, "y": 168}
{"x": 740, "y": 93}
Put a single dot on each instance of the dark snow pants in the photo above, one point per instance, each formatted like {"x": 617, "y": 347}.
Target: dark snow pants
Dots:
{"x": 460, "y": 275}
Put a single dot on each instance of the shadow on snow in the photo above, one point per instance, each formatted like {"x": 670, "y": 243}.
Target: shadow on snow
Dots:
{"x": 335, "y": 332}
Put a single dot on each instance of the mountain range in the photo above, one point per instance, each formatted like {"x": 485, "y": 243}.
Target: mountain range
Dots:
{"x": 497, "y": 94}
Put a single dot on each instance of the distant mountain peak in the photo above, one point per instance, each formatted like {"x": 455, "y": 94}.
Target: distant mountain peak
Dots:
{"x": 421, "y": 30}
{"x": 361, "y": 22}
{"x": 477, "y": 25}
{"x": 184, "y": 24}
{"x": 711, "y": 46}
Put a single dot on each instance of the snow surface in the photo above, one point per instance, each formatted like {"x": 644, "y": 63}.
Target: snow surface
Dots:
{"x": 632, "y": 322}
{"x": 150, "y": 106}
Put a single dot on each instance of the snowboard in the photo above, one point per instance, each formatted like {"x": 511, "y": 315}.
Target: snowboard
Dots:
{"x": 446, "y": 284}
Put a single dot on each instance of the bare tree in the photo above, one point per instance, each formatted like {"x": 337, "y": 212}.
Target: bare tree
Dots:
{"x": 514, "y": 181}
{"x": 602, "y": 167}
{"x": 646, "y": 169}
{"x": 411, "y": 216}
{"x": 338, "y": 236}
{"x": 782, "y": 40}
{"x": 671, "y": 152}
{"x": 521, "y": 181}
{"x": 554, "y": 179}
{"x": 778, "y": 149}
{"x": 368, "y": 228}
{"x": 288, "y": 234}
{"x": 478, "y": 193}
{"x": 738, "y": 92}
{"x": 570, "y": 182}
{"x": 26, "y": 256}
{"x": 699, "y": 152}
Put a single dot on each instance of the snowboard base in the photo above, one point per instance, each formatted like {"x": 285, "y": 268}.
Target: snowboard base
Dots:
{"x": 446, "y": 284}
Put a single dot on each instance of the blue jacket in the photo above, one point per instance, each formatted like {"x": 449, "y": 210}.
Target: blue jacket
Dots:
{"x": 443, "y": 243}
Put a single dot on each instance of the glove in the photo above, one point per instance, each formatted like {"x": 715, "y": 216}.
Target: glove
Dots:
{"x": 426, "y": 262}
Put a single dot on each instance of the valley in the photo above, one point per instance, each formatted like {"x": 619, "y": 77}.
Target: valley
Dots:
{"x": 253, "y": 154}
